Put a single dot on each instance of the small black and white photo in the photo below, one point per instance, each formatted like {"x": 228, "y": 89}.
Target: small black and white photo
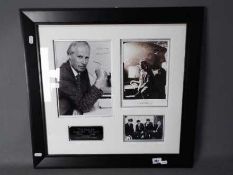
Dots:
{"x": 145, "y": 72}
{"x": 84, "y": 77}
{"x": 143, "y": 128}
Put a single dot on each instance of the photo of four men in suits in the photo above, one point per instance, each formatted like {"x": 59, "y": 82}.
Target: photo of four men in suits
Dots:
{"x": 142, "y": 131}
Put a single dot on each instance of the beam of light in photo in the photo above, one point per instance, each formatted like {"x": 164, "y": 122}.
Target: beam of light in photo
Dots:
{"x": 45, "y": 73}
{"x": 132, "y": 53}
{"x": 133, "y": 72}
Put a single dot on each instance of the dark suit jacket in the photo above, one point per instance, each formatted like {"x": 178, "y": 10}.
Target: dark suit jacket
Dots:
{"x": 76, "y": 94}
{"x": 129, "y": 129}
{"x": 139, "y": 129}
{"x": 158, "y": 131}
{"x": 149, "y": 127}
{"x": 156, "y": 85}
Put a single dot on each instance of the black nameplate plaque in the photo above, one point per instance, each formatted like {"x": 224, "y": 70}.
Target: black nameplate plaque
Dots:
{"x": 86, "y": 133}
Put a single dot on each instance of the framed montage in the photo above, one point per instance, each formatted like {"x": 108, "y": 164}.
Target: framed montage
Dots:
{"x": 112, "y": 87}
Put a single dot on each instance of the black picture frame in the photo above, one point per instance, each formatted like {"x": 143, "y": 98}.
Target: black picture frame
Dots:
{"x": 31, "y": 18}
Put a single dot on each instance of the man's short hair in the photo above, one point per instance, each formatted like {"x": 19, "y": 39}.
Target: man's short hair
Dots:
{"x": 75, "y": 44}
{"x": 130, "y": 120}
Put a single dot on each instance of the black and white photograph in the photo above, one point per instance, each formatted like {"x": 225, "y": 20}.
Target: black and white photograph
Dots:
{"x": 145, "y": 72}
{"x": 82, "y": 74}
{"x": 107, "y": 90}
{"x": 143, "y": 128}
{"x": 84, "y": 77}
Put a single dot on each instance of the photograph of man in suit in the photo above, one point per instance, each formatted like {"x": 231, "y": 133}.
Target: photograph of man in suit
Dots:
{"x": 129, "y": 129}
{"x": 158, "y": 127}
{"x": 139, "y": 130}
{"x": 148, "y": 129}
{"x": 157, "y": 130}
{"x": 76, "y": 95}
